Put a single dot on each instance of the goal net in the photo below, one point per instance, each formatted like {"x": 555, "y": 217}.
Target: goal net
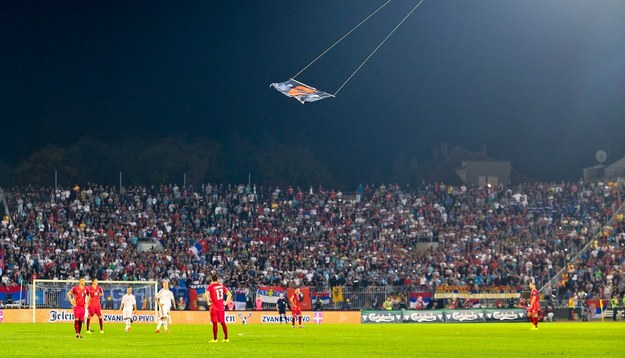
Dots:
{"x": 52, "y": 294}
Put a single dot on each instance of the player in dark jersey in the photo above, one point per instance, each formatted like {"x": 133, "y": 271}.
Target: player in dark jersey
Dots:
{"x": 281, "y": 306}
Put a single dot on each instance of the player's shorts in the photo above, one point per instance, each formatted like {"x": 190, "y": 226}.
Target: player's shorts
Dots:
{"x": 218, "y": 316}
{"x": 533, "y": 310}
{"x": 164, "y": 311}
{"x": 95, "y": 311}
{"x": 127, "y": 314}
{"x": 282, "y": 311}
{"x": 79, "y": 313}
{"x": 296, "y": 311}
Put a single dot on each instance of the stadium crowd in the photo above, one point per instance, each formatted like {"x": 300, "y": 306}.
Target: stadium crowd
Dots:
{"x": 475, "y": 236}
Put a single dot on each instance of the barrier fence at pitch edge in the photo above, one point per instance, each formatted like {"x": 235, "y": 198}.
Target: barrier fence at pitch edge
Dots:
{"x": 444, "y": 316}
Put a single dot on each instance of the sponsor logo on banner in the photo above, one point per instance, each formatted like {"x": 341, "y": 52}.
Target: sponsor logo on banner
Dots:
{"x": 276, "y": 318}
{"x": 381, "y": 317}
{"x": 64, "y": 316}
{"x": 464, "y": 316}
{"x": 502, "y": 316}
{"x": 244, "y": 317}
{"x": 423, "y": 316}
{"x": 60, "y": 316}
{"x": 506, "y": 315}
{"x": 318, "y": 317}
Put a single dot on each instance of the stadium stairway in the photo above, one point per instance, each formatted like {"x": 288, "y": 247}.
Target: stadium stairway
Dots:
{"x": 552, "y": 283}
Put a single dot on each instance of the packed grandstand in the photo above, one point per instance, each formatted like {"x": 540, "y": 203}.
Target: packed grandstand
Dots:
{"x": 568, "y": 237}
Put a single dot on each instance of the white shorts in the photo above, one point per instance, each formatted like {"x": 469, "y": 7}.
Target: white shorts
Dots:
{"x": 127, "y": 314}
{"x": 164, "y": 312}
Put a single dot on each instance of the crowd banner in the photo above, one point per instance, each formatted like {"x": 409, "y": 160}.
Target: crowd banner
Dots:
{"x": 497, "y": 292}
{"x": 337, "y": 294}
{"x": 418, "y": 316}
{"x": 394, "y": 316}
{"x": 506, "y": 314}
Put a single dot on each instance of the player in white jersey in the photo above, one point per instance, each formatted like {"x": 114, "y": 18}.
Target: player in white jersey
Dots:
{"x": 129, "y": 303}
{"x": 165, "y": 301}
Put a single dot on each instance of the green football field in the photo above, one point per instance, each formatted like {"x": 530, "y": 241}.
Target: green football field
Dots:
{"x": 576, "y": 339}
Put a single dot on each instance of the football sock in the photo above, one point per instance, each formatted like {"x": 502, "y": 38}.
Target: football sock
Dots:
{"x": 214, "y": 331}
{"x": 88, "y": 323}
{"x": 100, "y": 319}
{"x": 165, "y": 323}
{"x": 76, "y": 327}
{"x": 225, "y": 329}
{"x": 79, "y": 326}
{"x": 160, "y": 323}
{"x": 300, "y": 320}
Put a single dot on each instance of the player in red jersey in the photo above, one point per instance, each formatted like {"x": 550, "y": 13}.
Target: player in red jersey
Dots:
{"x": 78, "y": 297}
{"x": 296, "y": 310}
{"x": 95, "y": 292}
{"x": 215, "y": 297}
{"x": 534, "y": 307}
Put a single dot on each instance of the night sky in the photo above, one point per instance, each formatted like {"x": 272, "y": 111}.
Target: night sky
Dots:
{"x": 540, "y": 82}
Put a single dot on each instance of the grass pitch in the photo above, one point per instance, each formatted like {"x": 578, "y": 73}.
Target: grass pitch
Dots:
{"x": 561, "y": 339}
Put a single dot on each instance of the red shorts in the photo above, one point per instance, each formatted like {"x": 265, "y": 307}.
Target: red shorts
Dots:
{"x": 296, "y": 311}
{"x": 533, "y": 310}
{"x": 218, "y": 316}
{"x": 79, "y": 313}
{"x": 95, "y": 311}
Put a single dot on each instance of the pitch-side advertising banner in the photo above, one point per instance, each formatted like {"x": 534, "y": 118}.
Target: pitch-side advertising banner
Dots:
{"x": 182, "y": 317}
{"x": 444, "y": 316}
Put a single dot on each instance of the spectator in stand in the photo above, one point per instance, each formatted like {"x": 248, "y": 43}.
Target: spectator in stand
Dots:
{"x": 388, "y": 304}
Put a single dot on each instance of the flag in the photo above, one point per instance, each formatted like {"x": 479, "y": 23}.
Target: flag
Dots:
{"x": 323, "y": 296}
{"x": 337, "y": 294}
{"x": 601, "y": 308}
{"x": 199, "y": 248}
{"x": 299, "y": 91}
{"x": 240, "y": 300}
{"x": 197, "y": 301}
{"x": 270, "y": 294}
{"x": 426, "y": 297}
{"x": 15, "y": 292}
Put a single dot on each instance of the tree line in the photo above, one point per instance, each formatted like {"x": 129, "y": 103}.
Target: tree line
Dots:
{"x": 159, "y": 160}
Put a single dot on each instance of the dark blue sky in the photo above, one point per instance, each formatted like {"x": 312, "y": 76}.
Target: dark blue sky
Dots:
{"x": 540, "y": 82}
